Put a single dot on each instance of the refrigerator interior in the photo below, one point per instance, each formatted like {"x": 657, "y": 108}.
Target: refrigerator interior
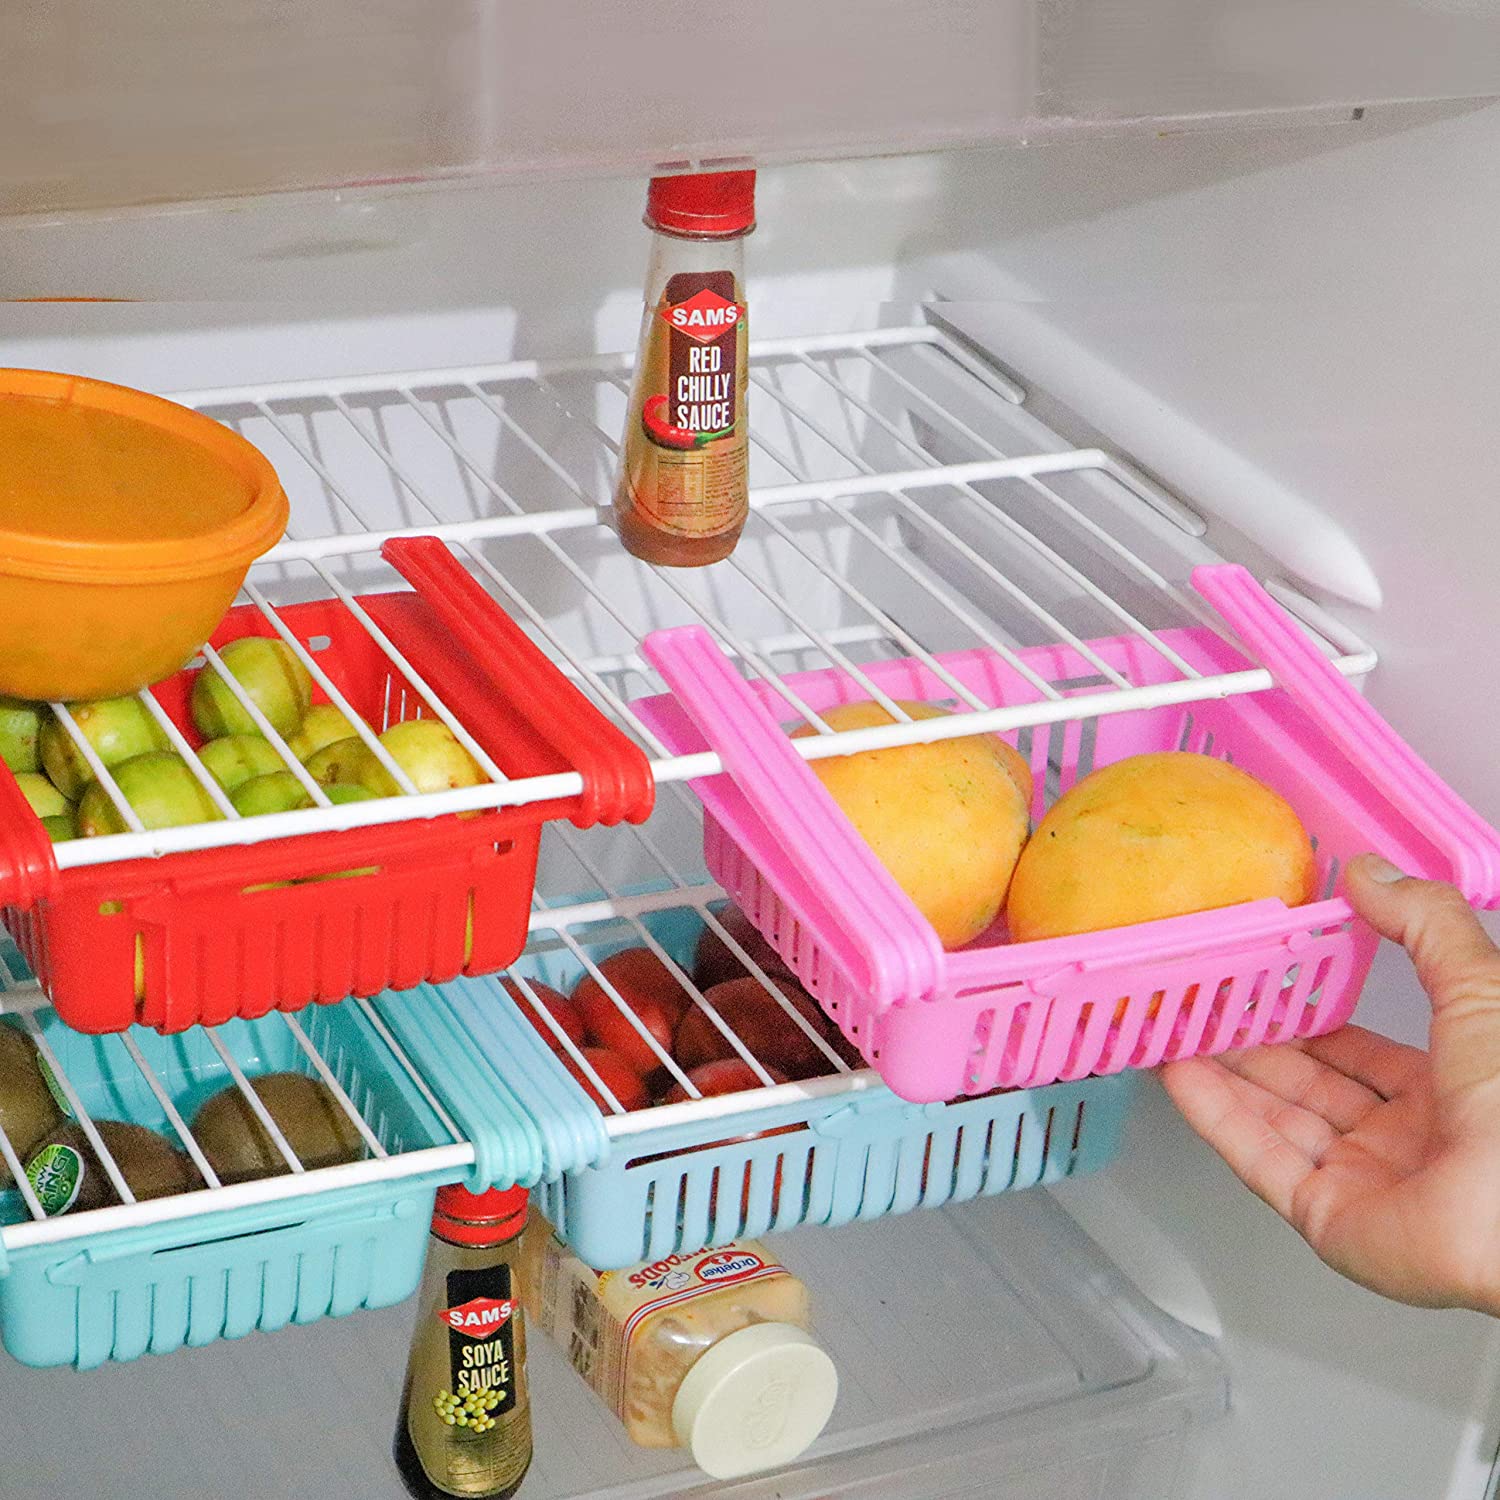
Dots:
{"x": 1064, "y": 1382}
{"x": 1294, "y": 331}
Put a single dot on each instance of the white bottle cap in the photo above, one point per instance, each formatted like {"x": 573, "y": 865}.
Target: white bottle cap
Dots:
{"x": 755, "y": 1401}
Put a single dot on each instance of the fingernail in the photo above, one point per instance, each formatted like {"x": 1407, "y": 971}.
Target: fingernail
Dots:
{"x": 1382, "y": 870}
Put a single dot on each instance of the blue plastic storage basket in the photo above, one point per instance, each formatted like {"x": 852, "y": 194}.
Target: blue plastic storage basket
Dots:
{"x": 121, "y": 1293}
{"x": 620, "y": 1199}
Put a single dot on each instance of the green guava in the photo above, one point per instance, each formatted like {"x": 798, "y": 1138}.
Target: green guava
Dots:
{"x": 20, "y": 726}
{"x": 273, "y": 678}
{"x": 339, "y": 764}
{"x": 278, "y": 792}
{"x": 323, "y": 725}
{"x": 161, "y": 789}
{"x": 118, "y": 728}
{"x": 428, "y": 752}
{"x": 45, "y": 799}
{"x": 239, "y": 758}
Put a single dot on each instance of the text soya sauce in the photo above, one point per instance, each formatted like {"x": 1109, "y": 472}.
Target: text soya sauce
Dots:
{"x": 465, "y": 1425}
{"x": 683, "y": 489}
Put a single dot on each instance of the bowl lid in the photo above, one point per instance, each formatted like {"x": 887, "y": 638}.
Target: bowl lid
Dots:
{"x": 99, "y": 482}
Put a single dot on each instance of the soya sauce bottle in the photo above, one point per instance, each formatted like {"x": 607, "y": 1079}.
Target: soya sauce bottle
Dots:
{"x": 683, "y": 489}
{"x": 465, "y": 1426}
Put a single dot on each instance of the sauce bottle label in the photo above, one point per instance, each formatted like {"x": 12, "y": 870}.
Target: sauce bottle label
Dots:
{"x": 480, "y": 1319}
{"x": 689, "y": 476}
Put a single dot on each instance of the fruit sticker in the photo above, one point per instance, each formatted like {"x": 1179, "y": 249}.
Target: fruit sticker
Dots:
{"x": 56, "y": 1176}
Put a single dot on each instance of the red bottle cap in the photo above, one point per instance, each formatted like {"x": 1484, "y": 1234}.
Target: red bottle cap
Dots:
{"x": 486, "y": 1218}
{"x": 711, "y": 205}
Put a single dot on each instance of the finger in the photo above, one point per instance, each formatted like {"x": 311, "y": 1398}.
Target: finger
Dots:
{"x": 1308, "y": 1083}
{"x": 1387, "y": 1067}
{"x": 1455, "y": 960}
{"x": 1223, "y": 1110}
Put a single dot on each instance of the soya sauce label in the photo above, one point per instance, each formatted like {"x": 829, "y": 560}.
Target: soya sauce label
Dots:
{"x": 56, "y": 1176}
{"x": 480, "y": 1318}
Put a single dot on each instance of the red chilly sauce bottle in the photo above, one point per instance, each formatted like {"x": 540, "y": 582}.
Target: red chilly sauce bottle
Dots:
{"x": 683, "y": 490}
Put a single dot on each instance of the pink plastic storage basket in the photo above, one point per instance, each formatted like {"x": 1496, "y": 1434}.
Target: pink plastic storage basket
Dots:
{"x": 939, "y": 1024}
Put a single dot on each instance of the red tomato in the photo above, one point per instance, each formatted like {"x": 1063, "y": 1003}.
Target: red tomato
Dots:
{"x": 614, "y": 1073}
{"x": 649, "y": 990}
{"x": 638, "y": 971}
{"x": 561, "y": 1009}
{"x": 725, "y": 1076}
{"x": 754, "y": 1015}
{"x": 714, "y": 961}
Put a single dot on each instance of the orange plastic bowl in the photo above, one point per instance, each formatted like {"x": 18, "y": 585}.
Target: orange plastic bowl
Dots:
{"x": 127, "y": 524}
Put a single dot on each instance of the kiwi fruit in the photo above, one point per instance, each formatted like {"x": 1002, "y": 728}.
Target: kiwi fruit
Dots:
{"x": 306, "y": 1112}
{"x": 149, "y": 1163}
{"x": 27, "y": 1109}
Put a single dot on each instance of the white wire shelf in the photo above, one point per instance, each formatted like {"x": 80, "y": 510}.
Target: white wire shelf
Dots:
{"x": 905, "y": 503}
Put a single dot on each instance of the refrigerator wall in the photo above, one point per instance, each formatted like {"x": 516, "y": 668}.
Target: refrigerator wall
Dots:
{"x": 1295, "y": 330}
{"x": 140, "y": 101}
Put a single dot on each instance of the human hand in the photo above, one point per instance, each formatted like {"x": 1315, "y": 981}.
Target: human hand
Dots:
{"x": 1384, "y": 1158}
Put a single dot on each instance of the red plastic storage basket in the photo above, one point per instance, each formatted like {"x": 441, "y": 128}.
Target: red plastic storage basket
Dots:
{"x": 207, "y": 935}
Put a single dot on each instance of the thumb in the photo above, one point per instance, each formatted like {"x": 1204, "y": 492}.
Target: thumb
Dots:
{"x": 1454, "y": 958}
{"x": 1459, "y": 967}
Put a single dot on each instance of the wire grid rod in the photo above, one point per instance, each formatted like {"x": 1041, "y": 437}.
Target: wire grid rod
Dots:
{"x": 178, "y": 742}
{"x": 1010, "y": 587}
{"x": 618, "y": 1000}
{"x": 849, "y": 486}
{"x": 664, "y": 576}
{"x": 268, "y": 731}
{"x": 616, "y": 703}
{"x": 513, "y": 506}
{"x": 1125, "y": 699}
{"x": 691, "y": 986}
{"x": 699, "y": 900}
{"x": 518, "y": 370}
{"x": 413, "y": 1073}
{"x": 257, "y": 1107}
{"x": 174, "y": 1116}
{"x": 102, "y": 774}
{"x": 381, "y": 639}
{"x": 18, "y": 1176}
{"x": 320, "y": 1065}
{"x": 564, "y": 1041}
{"x": 832, "y": 652}
{"x": 79, "y": 1112}
{"x": 797, "y": 469}
{"x": 1118, "y": 470}
{"x": 885, "y": 628}
{"x": 362, "y": 730}
{"x": 943, "y": 597}
{"x": 419, "y": 683}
